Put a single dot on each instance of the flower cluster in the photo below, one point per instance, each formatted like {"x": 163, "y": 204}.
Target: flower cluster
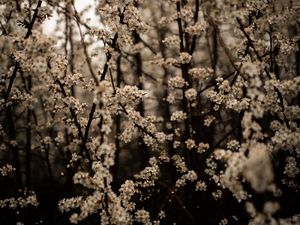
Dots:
{"x": 133, "y": 112}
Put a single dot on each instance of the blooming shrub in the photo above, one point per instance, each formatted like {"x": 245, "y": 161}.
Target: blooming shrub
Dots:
{"x": 163, "y": 112}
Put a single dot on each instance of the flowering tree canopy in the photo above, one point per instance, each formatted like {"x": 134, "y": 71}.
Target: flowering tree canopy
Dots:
{"x": 157, "y": 112}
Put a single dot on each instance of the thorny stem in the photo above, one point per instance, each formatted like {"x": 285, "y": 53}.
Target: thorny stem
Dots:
{"x": 194, "y": 38}
{"x": 76, "y": 122}
{"x": 108, "y": 57}
{"x": 17, "y": 65}
{"x": 185, "y": 75}
{"x": 34, "y": 17}
{"x": 11, "y": 81}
